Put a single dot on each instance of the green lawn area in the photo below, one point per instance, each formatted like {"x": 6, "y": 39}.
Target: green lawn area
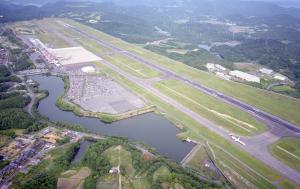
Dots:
{"x": 286, "y": 184}
{"x": 108, "y": 182}
{"x": 199, "y": 158}
{"x": 240, "y": 175}
{"x": 49, "y": 38}
{"x": 280, "y": 105}
{"x": 287, "y": 150}
{"x": 162, "y": 171}
{"x": 113, "y": 154}
{"x": 131, "y": 66}
{"x": 227, "y": 116}
{"x": 283, "y": 88}
{"x": 140, "y": 183}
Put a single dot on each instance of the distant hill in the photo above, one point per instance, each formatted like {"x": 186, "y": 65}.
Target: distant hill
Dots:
{"x": 211, "y": 7}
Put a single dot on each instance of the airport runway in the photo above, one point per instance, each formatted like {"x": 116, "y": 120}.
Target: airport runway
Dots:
{"x": 225, "y": 98}
{"x": 256, "y": 146}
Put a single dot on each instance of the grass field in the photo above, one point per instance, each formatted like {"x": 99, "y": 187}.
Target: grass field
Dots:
{"x": 286, "y": 184}
{"x": 227, "y": 116}
{"x": 131, "y": 66}
{"x": 280, "y": 105}
{"x": 161, "y": 172}
{"x": 114, "y": 153}
{"x": 240, "y": 175}
{"x": 287, "y": 150}
{"x": 283, "y": 88}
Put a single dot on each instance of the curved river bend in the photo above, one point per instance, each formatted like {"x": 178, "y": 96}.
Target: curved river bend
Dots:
{"x": 152, "y": 129}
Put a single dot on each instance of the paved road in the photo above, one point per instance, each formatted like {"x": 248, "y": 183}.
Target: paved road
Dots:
{"x": 259, "y": 152}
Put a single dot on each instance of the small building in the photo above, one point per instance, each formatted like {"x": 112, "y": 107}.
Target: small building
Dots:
{"x": 88, "y": 69}
{"x": 223, "y": 76}
{"x": 280, "y": 77}
{"x": 266, "y": 71}
{"x": 244, "y": 76}
{"x": 215, "y": 67}
{"x": 210, "y": 66}
{"x": 219, "y": 67}
{"x": 114, "y": 170}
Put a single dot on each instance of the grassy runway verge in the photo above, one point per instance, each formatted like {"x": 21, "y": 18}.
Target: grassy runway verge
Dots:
{"x": 287, "y": 150}
{"x": 279, "y": 105}
{"x": 196, "y": 131}
{"x": 131, "y": 66}
{"x": 229, "y": 117}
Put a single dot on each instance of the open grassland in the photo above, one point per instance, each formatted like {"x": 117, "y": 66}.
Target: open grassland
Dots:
{"x": 198, "y": 159}
{"x": 283, "y": 89}
{"x": 227, "y": 116}
{"x": 282, "y": 106}
{"x": 117, "y": 155}
{"x": 51, "y": 40}
{"x": 131, "y": 66}
{"x": 287, "y": 150}
{"x": 198, "y": 163}
{"x": 286, "y": 184}
{"x": 237, "y": 173}
{"x": 194, "y": 130}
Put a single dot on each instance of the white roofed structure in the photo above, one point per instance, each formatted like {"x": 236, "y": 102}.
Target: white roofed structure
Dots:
{"x": 74, "y": 55}
{"x": 88, "y": 69}
{"x": 266, "y": 71}
{"x": 280, "y": 77}
{"x": 245, "y": 76}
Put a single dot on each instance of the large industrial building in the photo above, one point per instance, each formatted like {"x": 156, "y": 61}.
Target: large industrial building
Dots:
{"x": 244, "y": 76}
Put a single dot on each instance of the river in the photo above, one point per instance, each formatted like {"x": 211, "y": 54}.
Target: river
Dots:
{"x": 151, "y": 129}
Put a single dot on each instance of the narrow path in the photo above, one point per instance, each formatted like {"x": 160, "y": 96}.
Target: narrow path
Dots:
{"x": 191, "y": 154}
{"x": 120, "y": 176}
{"x": 32, "y": 95}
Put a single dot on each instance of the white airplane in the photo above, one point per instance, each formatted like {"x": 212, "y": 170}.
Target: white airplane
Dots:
{"x": 237, "y": 139}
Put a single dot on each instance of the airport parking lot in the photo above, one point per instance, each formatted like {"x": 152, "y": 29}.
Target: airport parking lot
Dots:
{"x": 101, "y": 94}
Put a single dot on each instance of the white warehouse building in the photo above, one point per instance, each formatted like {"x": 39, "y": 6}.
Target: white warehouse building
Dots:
{"x": 245, "y": 76}
{"x": 266, "y": 71}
